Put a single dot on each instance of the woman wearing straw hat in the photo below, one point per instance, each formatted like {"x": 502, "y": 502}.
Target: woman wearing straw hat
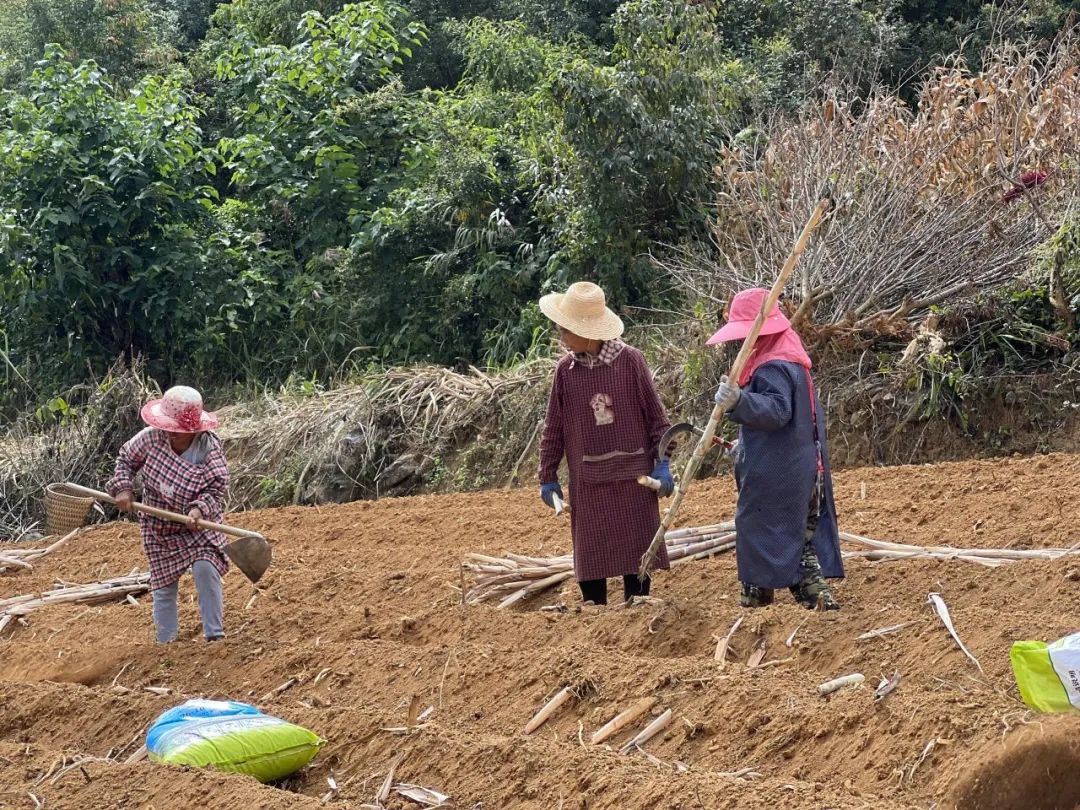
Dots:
{"x": 786, "y": 516}
{"x": 184, "y": 470}
{"x": 605, "y": 417}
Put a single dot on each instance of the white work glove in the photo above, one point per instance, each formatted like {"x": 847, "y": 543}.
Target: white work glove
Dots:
{"x": 727, "y": 394}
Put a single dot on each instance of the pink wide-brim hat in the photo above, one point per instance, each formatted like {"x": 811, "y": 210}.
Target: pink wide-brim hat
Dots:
{"x": 743, "y": 312}
{"x": 180, "y": 410}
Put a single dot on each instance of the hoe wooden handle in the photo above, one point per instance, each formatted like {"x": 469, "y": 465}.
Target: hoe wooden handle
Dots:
{"x": 165, "y": 514}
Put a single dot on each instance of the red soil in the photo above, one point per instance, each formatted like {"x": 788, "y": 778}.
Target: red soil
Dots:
{"x": 366, "y": 595}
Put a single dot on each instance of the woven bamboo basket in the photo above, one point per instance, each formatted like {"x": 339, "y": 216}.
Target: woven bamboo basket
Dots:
{"x": 65, "y": 512}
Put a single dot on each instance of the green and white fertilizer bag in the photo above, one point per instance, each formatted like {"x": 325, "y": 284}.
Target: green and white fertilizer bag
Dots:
{"x": 1048, "y": 674}
{"x": 231, "y": 737}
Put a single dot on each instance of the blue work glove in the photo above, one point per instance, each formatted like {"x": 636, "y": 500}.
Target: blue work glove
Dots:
{"x": 662, "y": 473}
{"x": 549, "y": 489}
{"x": 727, "y": 394}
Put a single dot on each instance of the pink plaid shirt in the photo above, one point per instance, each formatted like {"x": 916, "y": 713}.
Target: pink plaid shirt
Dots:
{"x": 172, "y": 483}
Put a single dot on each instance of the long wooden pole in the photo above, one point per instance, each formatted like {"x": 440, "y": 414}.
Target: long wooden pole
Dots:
{"x": 164, "y": 514}
{"x": 706, "y": 440}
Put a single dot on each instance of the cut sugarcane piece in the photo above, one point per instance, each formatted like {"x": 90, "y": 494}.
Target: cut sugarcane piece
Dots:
{"x": 647, "y": 733}
{"x": 548, "y": 710}
{"x": 650, "y": 482}
{"x": 623, "y": 719}
{"x": 829, "y": 687}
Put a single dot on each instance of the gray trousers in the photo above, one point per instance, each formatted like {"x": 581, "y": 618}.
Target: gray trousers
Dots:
{"x": 211, "y": 604}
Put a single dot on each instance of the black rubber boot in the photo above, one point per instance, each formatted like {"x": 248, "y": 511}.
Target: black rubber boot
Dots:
{"x": 752, "y": 596}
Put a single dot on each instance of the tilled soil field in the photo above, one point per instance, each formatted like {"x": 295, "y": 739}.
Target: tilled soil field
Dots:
{"x": 363, "y": 610}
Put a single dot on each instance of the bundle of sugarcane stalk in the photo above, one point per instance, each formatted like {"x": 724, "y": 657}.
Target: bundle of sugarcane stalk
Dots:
{"x": 91, "y": 593}
{"x": 990, "y": 557}
{"x": 12, "y": 557}
{"x": 516, "y": 576}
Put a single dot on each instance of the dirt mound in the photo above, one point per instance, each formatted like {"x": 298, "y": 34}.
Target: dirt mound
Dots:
{"x": 1037, "y": 770}
{"x": 362, "y": 612}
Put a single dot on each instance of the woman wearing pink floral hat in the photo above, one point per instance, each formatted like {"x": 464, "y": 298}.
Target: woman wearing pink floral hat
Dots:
{"x": 183, "y": 470}
{"x": 786, "y": 516}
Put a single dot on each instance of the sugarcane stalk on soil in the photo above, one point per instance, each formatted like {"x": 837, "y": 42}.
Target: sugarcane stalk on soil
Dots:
{"x": 91, "y": 593}
{"x": 647, "y": 733}
{"x": 706, "y": 440}
{"x": 23, "y": 557}
{"x": 835, "y": 684}
{"x": 516, "y": 577}
{"x": 623, "y": 719}
{"x": 549, "y": 709}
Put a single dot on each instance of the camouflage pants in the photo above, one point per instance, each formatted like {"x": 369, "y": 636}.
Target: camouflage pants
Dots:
{"x": 812, "y": 592}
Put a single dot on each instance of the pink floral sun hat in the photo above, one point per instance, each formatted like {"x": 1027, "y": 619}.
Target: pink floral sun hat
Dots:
{"x": 180, "y": 410}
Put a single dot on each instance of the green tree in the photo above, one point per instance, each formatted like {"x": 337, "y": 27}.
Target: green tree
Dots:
{"x": 192, "y": 19}
{"x": 638, "y": 139}
{"x": 126, "y": 38}
{"x": 462, "y": 232}
{"x": 102, "y": 195}
{"x": 441, "y": 64}
{"x": 934, "y": 30}
{"x": 550, "y": 162}
{"x": 317, "y": 128}
{"x": 268, "y": 22}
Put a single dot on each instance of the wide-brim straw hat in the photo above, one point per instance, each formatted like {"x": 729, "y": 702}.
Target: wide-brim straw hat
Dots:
{"x": 583, "y": 310}
{"x": 180, "y": 410}
{"x": 743, "y": 312}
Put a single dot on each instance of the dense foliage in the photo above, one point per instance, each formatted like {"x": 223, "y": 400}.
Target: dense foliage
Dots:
{"x": 265, "y": 188}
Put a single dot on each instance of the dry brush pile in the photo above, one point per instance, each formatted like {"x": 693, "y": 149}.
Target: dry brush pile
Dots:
{"x": 943, "y": 210}
{"x": 389, "y": 433}
{"x": 384, "y": 435}
{"x": 930, "y": 203}
{"x": 77, "y": 442}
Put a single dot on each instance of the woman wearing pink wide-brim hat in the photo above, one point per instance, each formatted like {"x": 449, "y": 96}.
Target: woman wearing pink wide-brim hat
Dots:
{"x": 786, "y": 515}
{"x": 183, "y": 470}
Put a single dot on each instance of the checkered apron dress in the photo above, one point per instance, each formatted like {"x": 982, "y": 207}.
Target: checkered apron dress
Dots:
{"x": 606, "y": 419}
{"x": 170, "y": 482}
